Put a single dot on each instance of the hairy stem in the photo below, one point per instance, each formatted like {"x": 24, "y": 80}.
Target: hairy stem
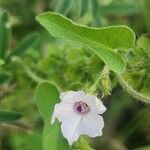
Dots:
{"x": 131, "y": 91}
{"x": 102, "y": 74}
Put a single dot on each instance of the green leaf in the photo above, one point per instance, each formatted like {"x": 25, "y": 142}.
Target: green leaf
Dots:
{"x": 9, "y": 116}
{"x": 95, "y": 12}
{"x": 64, "y": 6}
{"x": 83, "y": 7}
{"x": 121, "y": 9}
{"x": 94, "y": 7}
{"x": 27, "y": 43}
{"x": 46, "y": 96}
{"x": 101, "y": 40}
{"x": 4, "y": 33}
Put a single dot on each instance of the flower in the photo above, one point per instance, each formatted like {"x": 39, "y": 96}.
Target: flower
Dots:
{"x": 79, "y": 114}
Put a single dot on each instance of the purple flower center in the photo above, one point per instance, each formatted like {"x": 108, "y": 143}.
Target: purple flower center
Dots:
{"x": 81, "y": 107}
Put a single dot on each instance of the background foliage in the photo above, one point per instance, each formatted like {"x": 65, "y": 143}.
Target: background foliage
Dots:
{"x": 29, "y": 55}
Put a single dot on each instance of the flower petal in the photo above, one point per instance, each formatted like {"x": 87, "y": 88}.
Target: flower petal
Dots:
{"x": 95, "y": 104}
{"x": 72, "y": 97}
{"x": 70, "y": 127}
{"x": 91, "y": 125}
{"x": 79, "y": 96}
{"x": 63, "y": 94}
{"x": 102, "y": 109}
{"x": 61, "y": 111}
{"x": 91, "y": 100}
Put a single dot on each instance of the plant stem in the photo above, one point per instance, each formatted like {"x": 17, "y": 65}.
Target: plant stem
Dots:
{"x": 28, "y": 71}
{"x": 102, "y": 74}
{"x": 131, "y": 91}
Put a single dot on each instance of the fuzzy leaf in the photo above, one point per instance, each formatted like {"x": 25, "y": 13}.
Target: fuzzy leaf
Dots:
{"x": 101, "y": 40}
{"x": 46, "y": 96}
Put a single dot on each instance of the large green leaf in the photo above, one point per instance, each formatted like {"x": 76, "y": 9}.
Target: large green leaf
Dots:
{"x": 8, "y": 116}
{"x": 46, "y": 96}
{"x": 4, "y": 34}
{"x": 101, "y": 40}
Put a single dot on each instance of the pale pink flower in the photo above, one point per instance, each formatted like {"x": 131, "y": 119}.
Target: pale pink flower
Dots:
{"x": 79, "y": 114}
